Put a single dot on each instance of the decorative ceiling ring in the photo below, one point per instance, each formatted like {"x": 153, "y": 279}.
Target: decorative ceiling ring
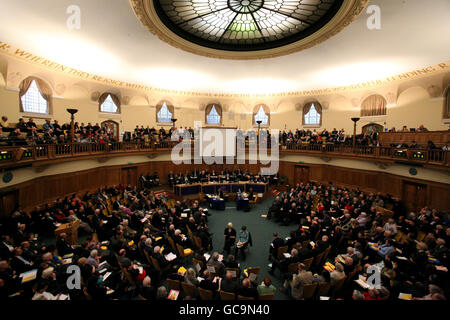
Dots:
{"x": 246, "y": 29}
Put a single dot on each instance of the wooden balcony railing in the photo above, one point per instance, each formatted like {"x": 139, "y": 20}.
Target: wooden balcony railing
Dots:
{"x": 16, "y": 155}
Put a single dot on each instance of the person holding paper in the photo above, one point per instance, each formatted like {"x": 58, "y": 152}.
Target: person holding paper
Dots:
{"x": 218, "y": 265}
{"x": 191, "y": 277}
{"x": 243, "y": 241}
{"x": 247, "y": 289}
{"x": 209, "y": 282}
{"x": 42, "y": 294}
{"x": 229, "y": 283}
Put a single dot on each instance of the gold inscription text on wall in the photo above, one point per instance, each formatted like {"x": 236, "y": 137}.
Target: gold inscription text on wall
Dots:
{"x": 53, "y": 66}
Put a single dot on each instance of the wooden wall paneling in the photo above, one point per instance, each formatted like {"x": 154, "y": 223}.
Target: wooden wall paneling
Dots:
{"x": 439, "y": 197}
{"x": 47, "y": 188}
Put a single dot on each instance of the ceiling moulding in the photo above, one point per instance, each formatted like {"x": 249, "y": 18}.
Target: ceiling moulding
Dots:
{"x": 24, "y": 56}
{"x": 146, "y": 12}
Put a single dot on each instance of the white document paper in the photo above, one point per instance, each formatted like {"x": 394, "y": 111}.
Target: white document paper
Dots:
{"x": 170, "y": 257}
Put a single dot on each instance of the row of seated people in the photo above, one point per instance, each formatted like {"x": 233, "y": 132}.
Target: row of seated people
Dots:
{"x": 142, "y": 220}
{"x": 149, "y": 180}
{"x": 129, "y": 252}
{"x": 206, "y": 176}
{"x": 414, "y": 145}
{"x": 29, "y": 132}
{"x": 421, "y": 128}
{"x": 325, "y": 136}
{"x": 346, "y": 234}
{"x": 25, "y": 133}
{"x": 141, "y": 133}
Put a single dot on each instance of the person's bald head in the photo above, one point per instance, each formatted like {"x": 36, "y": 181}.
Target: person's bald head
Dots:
{"x": 4, "y": 265}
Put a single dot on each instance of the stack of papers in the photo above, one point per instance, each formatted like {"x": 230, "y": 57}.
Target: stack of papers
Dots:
{"x": 329, "y": 267}
{"x": 173, "y": 295}
{"x": 433, "y": 260}
{"x": 106, "y": 276}
{"x": 324, "y": 298}
{"x": 28, "y": 276}
{"x": 372, "y": 245}
{"x": 170, "y": 257}
{"x": 182, "y": 270}
{"x": 405, "y": 296}
{"x": 441, "y": 268}
{"x": 211, "y": 269}
{"x": 362, "y": 282}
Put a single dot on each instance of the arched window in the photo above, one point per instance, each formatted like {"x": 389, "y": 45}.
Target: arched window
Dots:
{"x": 35, "y": 96}
{"x": 164, "y": 112}
{"x": 261, "y": 113}
{"x": 213, "y": 114}
{"x": 374, "y": 105}
{"x": 312, "y": 114}
{"x": 447, "y": 103}
{"x": 109, "y": 103}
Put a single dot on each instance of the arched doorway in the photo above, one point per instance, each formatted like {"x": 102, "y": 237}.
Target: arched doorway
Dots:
{"x": 371, "y": 127}
{"x": 111, "y": 126}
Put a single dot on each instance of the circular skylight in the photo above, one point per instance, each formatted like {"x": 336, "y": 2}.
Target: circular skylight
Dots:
{"x": 245, "y": 25}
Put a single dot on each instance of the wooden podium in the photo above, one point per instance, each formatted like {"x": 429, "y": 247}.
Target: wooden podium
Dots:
{"x": 386, "y": 214}
{"x": 71, "y": 230}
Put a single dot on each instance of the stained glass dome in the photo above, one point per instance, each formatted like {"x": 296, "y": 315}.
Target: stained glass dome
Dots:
{"x": 245, "y": 25}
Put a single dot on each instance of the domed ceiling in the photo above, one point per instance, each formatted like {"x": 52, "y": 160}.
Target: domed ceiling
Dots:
{"x": 245, "y": 25}
{"x": 246, "y": 29}
{"x": 114, "y": 41}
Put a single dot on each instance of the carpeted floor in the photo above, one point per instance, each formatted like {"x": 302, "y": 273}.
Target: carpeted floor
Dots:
{"x": 261, "y": 231}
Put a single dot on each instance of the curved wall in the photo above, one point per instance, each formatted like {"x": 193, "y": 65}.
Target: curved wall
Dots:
{"x": 36, "y": 185}
{"x": 413, "y": 99}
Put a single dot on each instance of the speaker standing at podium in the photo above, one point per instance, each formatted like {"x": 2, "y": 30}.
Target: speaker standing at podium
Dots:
{"x": 63, "y": 246}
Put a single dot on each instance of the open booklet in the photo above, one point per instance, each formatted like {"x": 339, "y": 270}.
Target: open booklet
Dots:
{"x": 28, "y": 276}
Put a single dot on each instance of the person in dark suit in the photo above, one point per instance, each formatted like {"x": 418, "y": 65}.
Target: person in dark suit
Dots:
{"x": 230, "y": 238}
{"x": 284, "y": 262}
{"x": 228, "y": 284}
{"x": 231, "y": 262}
{"x": 63, "y": 246}
{"x": 247, "y": 289}
{"x": 19, "y": 263}
{"x": 276, "y": 243}
{"x": 208, "y": 282}
{"x": 160, "y": 258}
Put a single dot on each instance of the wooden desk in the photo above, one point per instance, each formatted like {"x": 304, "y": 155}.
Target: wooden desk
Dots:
{"x": 213, "y": 188}
{"x": 71, "y": 230}
{"x": 439, "y": 138}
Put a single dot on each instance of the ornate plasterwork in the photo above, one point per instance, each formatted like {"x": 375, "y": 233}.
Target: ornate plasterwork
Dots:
{"x": 146, "y": 13}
